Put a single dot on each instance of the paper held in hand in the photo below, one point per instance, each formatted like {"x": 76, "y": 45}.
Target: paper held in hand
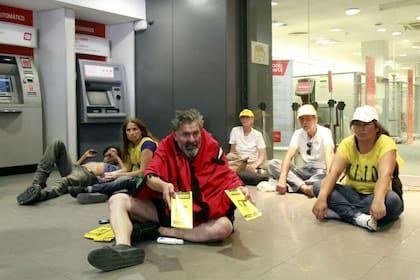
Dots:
{"x": 245, "y": 207}
{"x": 181, "y": 210}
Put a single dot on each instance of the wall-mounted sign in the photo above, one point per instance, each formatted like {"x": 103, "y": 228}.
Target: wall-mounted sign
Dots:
{"x": 17, "y": 35}
{"x": 86, "y": 44}
{"x": 259, "y": 53}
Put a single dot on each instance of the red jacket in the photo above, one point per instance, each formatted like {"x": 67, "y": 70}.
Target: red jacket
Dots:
{"x": 209, "y": 168}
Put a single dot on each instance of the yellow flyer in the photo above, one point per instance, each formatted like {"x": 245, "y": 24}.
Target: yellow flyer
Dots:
{"x": 181, "y": 210}
{"x": 245, "y": 207}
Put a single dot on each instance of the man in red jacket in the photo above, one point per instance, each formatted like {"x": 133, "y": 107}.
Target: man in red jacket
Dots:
{"x": 189, "y": 159}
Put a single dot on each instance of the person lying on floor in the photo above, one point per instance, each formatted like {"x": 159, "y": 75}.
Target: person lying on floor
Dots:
{"x": 72, "y": 174}
{"x": 189, "y": 159}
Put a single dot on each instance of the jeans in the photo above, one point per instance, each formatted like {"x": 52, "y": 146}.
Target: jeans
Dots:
{"x": 346, "y": 202}
{"x": 297, "y": 176}
{"x": 56, "y": 155}
{"x": 121, "y": 183}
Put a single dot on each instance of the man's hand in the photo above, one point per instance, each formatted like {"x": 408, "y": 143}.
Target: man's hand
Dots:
{"x": 246, "y": 193}
{"x": 282, "y": 189}
{"x": 110, "y": 176}
{"x": 168, "y": 193}
{"x": 90, "y": 153}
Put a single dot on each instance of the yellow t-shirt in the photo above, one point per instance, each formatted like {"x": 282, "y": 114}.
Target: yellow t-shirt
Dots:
{"x": 363, "y": 169}
{"x": 135, "y": 152}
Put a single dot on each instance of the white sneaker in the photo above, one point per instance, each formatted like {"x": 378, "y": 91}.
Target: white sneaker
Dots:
{"x": 267, "y": 186}
{"x": 366, "y": 221}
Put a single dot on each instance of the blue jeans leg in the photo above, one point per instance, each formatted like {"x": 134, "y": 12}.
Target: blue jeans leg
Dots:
{"x": 109, "y": 188}
{"x": 346, "y": 202}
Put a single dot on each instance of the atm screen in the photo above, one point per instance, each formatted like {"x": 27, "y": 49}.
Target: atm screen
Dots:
{"x": 6, "y": 85}
{"x": 98, "y": 98}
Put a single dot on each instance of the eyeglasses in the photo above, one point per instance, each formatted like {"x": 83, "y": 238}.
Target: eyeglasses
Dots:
{"x": 309, "y": 145}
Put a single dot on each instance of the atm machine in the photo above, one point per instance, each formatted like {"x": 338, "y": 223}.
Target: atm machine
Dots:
{"x": 101, "y": 103}
{"x": 21, "y": 122}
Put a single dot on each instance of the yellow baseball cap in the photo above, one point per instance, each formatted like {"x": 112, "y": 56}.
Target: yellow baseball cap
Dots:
{"x": 246, "y": 113}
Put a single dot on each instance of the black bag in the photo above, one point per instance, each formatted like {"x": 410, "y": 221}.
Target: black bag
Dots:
{"x": 396, "y": 182}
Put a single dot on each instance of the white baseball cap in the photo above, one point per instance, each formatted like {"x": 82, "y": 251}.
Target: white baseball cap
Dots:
{"x": 306, "y": 110}
{"x": 365, "y": 113}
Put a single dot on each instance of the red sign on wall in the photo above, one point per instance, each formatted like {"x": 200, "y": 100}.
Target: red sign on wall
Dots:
{"x": 16, "y": 15}
{"x": 90, "y": 28}
{"x": 279, "y": 67}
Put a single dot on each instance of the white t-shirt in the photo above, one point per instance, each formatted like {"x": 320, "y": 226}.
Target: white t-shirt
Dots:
{"x": 316, "y": 156}
{"x": 247, "y": 146}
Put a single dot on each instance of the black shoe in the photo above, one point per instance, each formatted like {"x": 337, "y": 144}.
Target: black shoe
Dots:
{"x": 75, "y": 190}
{"x": 31, "y": 195}
{"x": 114, "y": 257}
{"x": 89, "y": 198}
{"x": 144, "y": 231}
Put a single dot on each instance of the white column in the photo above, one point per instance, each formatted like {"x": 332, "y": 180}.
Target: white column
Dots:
{"x": 56, "y": 61}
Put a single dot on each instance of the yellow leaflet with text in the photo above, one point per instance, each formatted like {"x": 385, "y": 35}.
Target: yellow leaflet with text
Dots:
{"x": 245, "y": 207}
{"x": 181, "y": 210}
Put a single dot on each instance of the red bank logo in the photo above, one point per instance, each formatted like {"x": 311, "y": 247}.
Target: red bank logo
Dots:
{"x": 27, "y": 36}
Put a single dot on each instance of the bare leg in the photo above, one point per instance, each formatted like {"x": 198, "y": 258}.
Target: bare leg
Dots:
{"x": 213, "y": 230}
{"x": 307, "y": 189}
{"x": 121, "y": 208}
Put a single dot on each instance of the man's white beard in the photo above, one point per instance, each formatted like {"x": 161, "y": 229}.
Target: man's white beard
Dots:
{"x": 190, "y": 153}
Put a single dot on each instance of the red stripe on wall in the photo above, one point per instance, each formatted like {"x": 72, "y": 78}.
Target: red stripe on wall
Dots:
{"x": 16, "y": 15}
{"x": 90, "y": 28}
{"x": 16, "y": 50}
{"x": 90, "y": 57}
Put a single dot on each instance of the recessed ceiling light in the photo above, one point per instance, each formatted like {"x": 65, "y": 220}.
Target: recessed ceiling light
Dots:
{"x": 352, "y": 11}
{"x": 381, "y": 30}
{"x": 396, "y": 33}
{"x": 324, "y": 41}
{"x": 402, "y": 55}
{"x": 335, "y": 29}
{"x": 418, "y": 17}
{"x": 415, "y": 47}
{"x": 357, "y": 53}
{"x": 273, "y": 3}
{"x": 279, "y": 23}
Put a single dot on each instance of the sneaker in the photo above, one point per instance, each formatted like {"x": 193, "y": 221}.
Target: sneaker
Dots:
{"x": 89, "y": 198}
{"x": 267, "y": 186}
{"x": 115, "y": 257}
{"x": 75, "y": 190}
{"x": 144, "y": 231}
{"x": 366, "y": 221}
{"x": 31, "y": 195}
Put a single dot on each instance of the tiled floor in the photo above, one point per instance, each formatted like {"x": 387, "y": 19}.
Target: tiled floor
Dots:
{"x": 46, "y": 241}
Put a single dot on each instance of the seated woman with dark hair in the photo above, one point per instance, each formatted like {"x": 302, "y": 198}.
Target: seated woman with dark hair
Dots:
{"x": 368, "y": 160}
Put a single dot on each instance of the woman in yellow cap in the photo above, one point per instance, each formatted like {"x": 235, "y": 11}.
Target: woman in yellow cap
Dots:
{"x": 247, "y": 142}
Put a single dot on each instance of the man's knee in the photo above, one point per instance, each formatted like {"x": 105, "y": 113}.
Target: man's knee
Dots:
{"x": 119, "y": 200}
{"x": 225, "y": 228}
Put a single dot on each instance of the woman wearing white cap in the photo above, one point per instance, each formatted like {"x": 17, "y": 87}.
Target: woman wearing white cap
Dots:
{"x": 368, "y": 160}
